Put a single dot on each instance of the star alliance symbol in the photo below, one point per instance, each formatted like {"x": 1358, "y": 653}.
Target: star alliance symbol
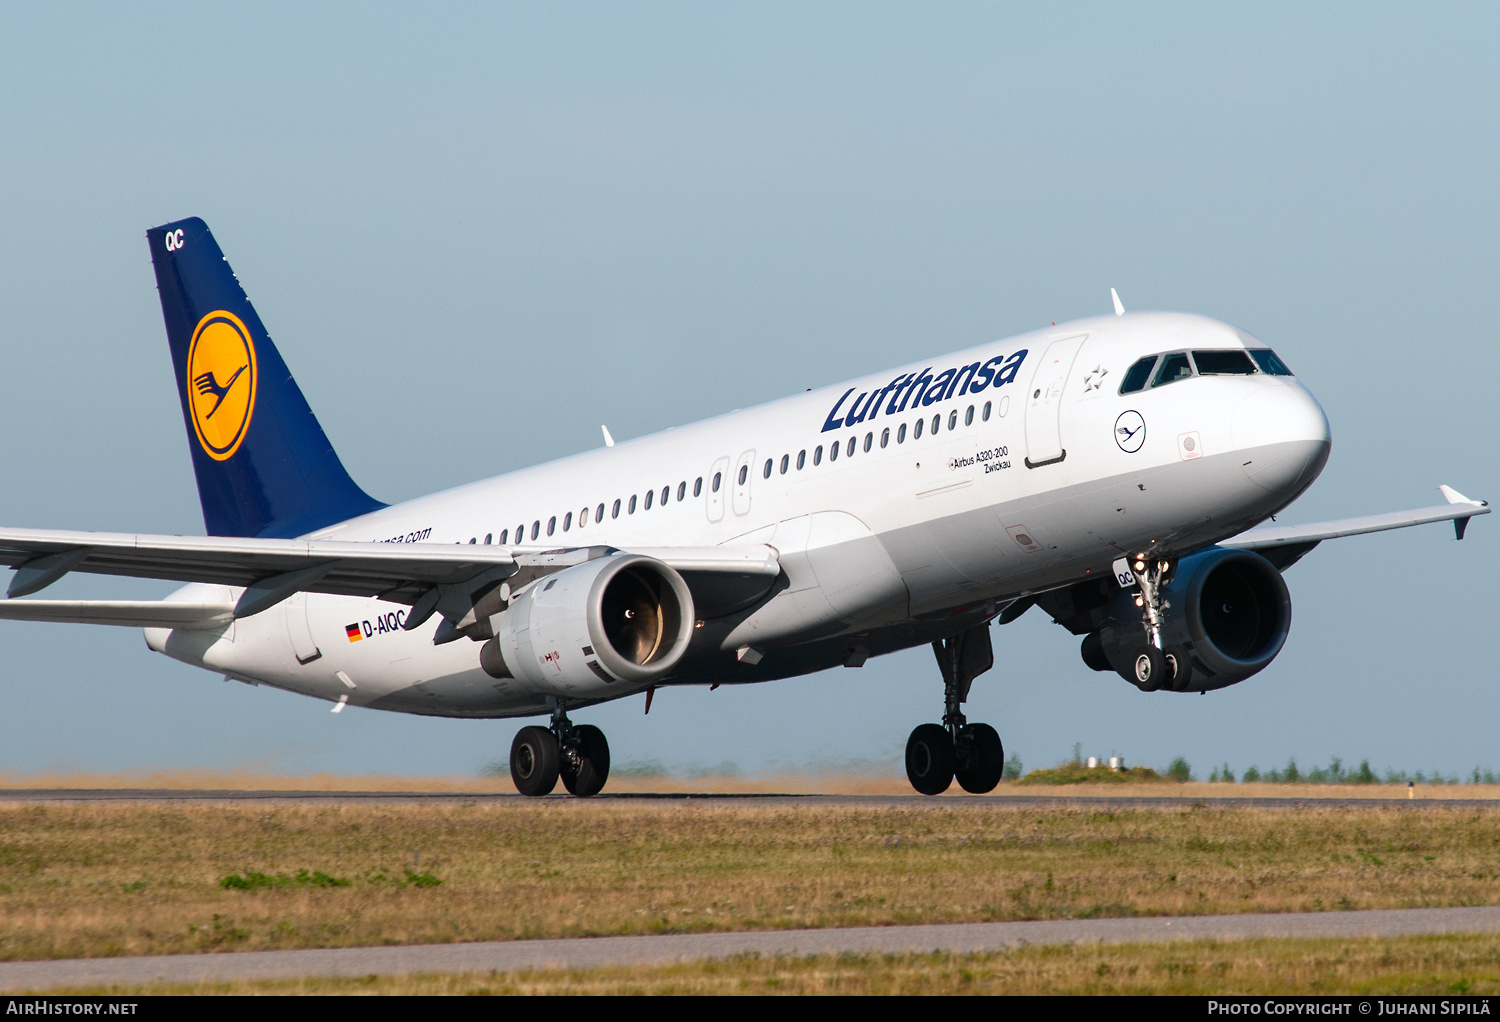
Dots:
{"x": 1094, "y": 379}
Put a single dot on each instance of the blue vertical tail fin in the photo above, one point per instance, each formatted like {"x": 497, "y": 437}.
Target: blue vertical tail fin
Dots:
{"x": 264, "y": 465}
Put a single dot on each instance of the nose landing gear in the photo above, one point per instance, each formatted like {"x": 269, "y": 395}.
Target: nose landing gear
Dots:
{"x": 1155, "y": 666}
{"x": 578, "y": 755}
{"x": 936, "y": 754}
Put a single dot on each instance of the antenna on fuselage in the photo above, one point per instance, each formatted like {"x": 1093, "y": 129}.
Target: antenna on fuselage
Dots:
{"x": 609, "y": 441}
{"x": 1114, "y": 296}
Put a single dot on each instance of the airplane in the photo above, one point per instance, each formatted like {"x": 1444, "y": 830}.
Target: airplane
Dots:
{"x": 1111, "y": 470}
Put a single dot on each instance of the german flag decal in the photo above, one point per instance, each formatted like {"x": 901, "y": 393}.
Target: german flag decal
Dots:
{"x": 353, "y": 632}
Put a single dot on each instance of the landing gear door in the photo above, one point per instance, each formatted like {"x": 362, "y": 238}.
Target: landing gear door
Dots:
{"x": 718, "y": 485}
{"x": 1044, "y": 442}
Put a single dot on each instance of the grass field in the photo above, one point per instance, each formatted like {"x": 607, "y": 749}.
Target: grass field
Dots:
{"x": 1406, "y": 965}
{"x": 95, "y": 879}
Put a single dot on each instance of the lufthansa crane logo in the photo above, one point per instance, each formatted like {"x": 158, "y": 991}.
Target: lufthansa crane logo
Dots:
{"x": 221, "y": 381}
{"x": 1130, "y": 431}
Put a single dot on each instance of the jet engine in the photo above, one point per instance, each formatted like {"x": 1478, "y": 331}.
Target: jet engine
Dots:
{"x": 582, "y": 631}
{"x": 1228, "y": 611}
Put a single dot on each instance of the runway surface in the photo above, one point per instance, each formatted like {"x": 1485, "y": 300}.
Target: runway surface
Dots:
{"x": 769, "y": 800}
{"x": 591, "y": 952}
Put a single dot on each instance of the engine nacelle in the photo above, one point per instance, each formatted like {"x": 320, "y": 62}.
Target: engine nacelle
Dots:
{"x": 620, "y": 618}
{"x": 1228, "y": 609}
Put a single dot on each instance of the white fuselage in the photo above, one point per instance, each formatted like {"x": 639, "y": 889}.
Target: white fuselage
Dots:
{"x": 899, "y": 540}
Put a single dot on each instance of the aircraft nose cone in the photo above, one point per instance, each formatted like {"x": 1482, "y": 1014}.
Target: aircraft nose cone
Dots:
{"x": 1282, "y": 436}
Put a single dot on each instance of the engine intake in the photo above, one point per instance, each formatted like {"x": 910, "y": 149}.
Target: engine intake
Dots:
{"x": 1229, "y": 610}
{"x": 619, "y": 618}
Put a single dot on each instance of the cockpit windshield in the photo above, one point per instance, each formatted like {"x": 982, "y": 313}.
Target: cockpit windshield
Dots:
{"x": 1173, "y": 368}
{"x": 1180, "y": 365}
{"x": 1233, "y": 362}
{"x": 1269, "y": 363}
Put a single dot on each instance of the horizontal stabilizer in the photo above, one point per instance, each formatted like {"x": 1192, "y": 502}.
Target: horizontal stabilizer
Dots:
{"x": 129, "y": 613}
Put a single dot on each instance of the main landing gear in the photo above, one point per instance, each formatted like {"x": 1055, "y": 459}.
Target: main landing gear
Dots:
{"x": 1155, "y": 666}
{"x": 936, "y": 754}
{"x": 578, "y": 754}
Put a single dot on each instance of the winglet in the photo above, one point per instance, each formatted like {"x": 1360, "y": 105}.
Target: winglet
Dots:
{"x": 1115, "y": 297}
{"x": 609, "y": 441}
{"x": 1452, "y": 496}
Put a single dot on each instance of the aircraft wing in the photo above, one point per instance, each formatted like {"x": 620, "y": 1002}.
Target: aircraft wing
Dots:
{"x": 1284, "y": 545}
{"x": 272, "y": 569}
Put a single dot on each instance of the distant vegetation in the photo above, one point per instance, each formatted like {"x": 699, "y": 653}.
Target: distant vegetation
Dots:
{"x": 1179, "y": 770}
{"x": 1077, "y": 773}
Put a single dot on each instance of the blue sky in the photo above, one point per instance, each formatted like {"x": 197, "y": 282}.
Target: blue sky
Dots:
{"x": 476, "y": 231}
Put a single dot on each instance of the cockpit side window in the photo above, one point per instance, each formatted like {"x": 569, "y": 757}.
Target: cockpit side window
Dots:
{"x": 1174, "y": 367}
{"x": 1269, "y": 363}
{"x": 1233, "y": 362}
{"x": 1137, "y": 375}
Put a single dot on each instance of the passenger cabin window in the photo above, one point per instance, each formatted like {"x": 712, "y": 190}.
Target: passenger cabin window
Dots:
{"x": 850, "y": 451}
{"x": 630, "y": 508}
{"x": 552, "y": 525}
{"x": 1233, "y": 362}
{"x": 985, "y": 415}
{"x": 937, "y": 422}
{"x": 969, "y": 416}
{"x": 801, "y": 460}
{"x": 885, "y": 437}
{"x": 567, "y": 521}
{"x": 786, "y": 463}
{"x": 583, "y": 518}
{"x": 649, "y": 495}
{"x": 487, "y": 537}
{"x": 504, "y": 537}
{"x": 615, "y": 511}
{"x": 1174, "y": 367}
{"x": 766, "y": 472}
{"x": 666, "y": 491}
{"x": 599, "y": 514}
{"x": 818, "y": 455}
{"x": 953, "y": 419}
{"x": 916, "y": 432}
{"x": 833, "y": 451}
{"x": 698, "y": 487}
{"x": 682, "y": 492}
{"x": 718, "y": 478}
{"x": 536, "y": 528}
{"x": 869, "y": 442}
{"x": 744, "y": 474}
{"x": 1269, "y": 363}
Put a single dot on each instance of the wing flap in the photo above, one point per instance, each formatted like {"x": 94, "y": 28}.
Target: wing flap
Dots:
{"x": 390, "y": 570}
{"x": 127, "y": 613}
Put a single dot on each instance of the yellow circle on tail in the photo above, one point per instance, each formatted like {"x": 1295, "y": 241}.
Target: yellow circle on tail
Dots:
{"x": 221, "y": 382}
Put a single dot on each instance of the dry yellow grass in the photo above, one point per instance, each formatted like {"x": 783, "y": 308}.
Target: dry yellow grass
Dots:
{"x": 831, "y": 782}
{"x": 109, "y": 878}
{"x": 1400, "y": 966}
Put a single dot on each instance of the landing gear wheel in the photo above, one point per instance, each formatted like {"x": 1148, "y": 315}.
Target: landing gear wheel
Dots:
{"x": 929, "y": 759}
{"x": 1148, "y": 669}
{"x": 985, "y": 756}
{"x": 585, "y": 767}
{"x": 534, "y": 761}
{"x": 1179, "y": 668}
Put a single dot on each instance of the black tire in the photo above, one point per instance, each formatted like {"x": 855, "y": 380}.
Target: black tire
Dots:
{"x": 1147, "y": 669}
{"x": 1179, "y": 668}
{"x": 986, "y": 760}
{"x": 929, "y": 759}
{"x": 534, "y": 761}
{"x": 593, "y": 763}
